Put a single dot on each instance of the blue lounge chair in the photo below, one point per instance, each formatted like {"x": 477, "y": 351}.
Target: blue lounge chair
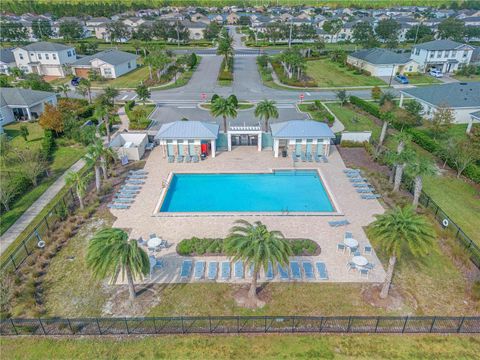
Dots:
{"x": 199, "y": 271}
{"x": 364, "y": 191}
{"x": 371, "y": 196}
{"x": 308, "y": 270}
{"x": 361, "y": 185}
{"x": 123, "y": 201}
{"x": 212, "y": 270}
{"x": 179, "y": 158}
{"x": 364, "y": 272}
{"x": 282, "y": 272}
{"x": 367, "y": 249}
{"x": 295, "y": 270}
{"x": 238, "y": 270}
{"x": 325, "y": 159}
{"x": 348, "y": 235}
{"x": 353, "y": 175}
{"x": 126, "y": 191}
{"x": 125, "y": 196}
{"x": 188, "y": 159}
{"x": 118, "y": 206}
{"x": 351, "y": 171}
{"x": 318, "y": 158}
{"x": 322, "y": 271}
{"x": 269, "y": 272}
{"x": 186, "y": 269}
{"x": 130, "y": 187}
{"x": 135, "y": 182}
{"x": 225, "y": 270}
{"x": 340, "y": 247}
{"x": 195, "y": 158}
{"x": 143, "y": 172}
{"x": 309, "y": 157}
{"x": 357, "y": 180}
{"x": 171, "y": 159}
{"x": 333, "y": 223}
{"x": 303, "y": 157}
{"x": 137, "y": 176}
{"x": 343, "y": 222}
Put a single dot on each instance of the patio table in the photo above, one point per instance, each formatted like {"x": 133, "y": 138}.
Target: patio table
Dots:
{"x": 360, "y": 260}
{"x": 154, "y": 243}
{"x": 351, "y": 242}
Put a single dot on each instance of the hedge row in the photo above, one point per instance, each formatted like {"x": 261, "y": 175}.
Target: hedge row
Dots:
{"x": 369, "y": 107}
{"x": 292, "y": 82}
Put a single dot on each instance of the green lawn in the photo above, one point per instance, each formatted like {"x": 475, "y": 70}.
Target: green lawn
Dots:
{"x": 467, "y": 78}
{"x": 271, "y": 346}
{"x": 129, "y": 80}
{"x": 329, "y": 74}
{"x": 422, "y": 79}
{"x": 352, "y": 120}
{"x": 140, "y": 124}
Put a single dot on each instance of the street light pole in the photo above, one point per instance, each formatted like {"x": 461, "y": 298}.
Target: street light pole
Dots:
{"x": 290, "y": 36}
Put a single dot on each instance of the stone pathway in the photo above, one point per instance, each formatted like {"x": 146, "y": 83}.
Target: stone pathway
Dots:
{"x": 21, "y": 224}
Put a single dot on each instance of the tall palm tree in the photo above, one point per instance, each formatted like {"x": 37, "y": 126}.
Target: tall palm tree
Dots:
{"x": 63, "y": 88}
{"x": 110, "y": 253}
{"x": 255, "y": 245}
{"x": 402, "y": 231}
{"x": 417, "y": 169}
{"x": 80, "y": 181}
{"x": 401, "y": 161}
{"x": 93, "y": 159}
{"x": 86, "y": 86}
{"x": 224, "y": 107}
{"x": 266, "y": 109}
{"x": 107, "y": 155}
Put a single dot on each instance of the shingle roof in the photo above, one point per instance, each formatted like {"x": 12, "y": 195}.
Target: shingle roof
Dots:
{"x": 380, "y": 56}
{"x": 45, "y": 46}
{"x": 455, "y": 95}
{"x": 301, "y": 129}
{"x": 439, "y": 45}
{"x": 110, "y": 56}
{"x": 188, "y": 130}
{"x": 476, "y": 114}
{"x": 6, "y": 56}
{"x": 22, "y": 97}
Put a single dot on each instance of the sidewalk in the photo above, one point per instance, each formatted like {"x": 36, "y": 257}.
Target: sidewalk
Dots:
{"x": 21, "y": 224}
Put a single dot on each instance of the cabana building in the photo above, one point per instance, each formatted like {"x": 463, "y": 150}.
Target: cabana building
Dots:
{"x": 301, "y": 137}
{"x": 181, "y": 138}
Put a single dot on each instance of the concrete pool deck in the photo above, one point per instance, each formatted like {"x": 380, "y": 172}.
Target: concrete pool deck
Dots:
{"x": 141, "y": 218}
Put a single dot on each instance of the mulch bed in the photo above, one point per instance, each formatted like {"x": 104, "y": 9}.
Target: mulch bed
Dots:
{"x": 358, "y": 157}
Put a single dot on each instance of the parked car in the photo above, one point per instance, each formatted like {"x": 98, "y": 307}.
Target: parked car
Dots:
{"x": 402, "y": 79}
{"x": 436, "y": 73}
{"x": 75, "y": 81}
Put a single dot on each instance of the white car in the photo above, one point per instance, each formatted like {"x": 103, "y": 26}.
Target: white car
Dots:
{"x": 436, "y": 73}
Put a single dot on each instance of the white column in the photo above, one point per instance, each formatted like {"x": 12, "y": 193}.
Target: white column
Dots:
{"x": 469, "y": 126}
{"x": 29, "y": 114}
{"x": 214, "y": 148}
{"x": 326, "y": 147}
{"x": 276, "y": 144}
{"x": 259, "y": 141}
{"x": 400, "y": 104}
{"x": 229, "y": 141}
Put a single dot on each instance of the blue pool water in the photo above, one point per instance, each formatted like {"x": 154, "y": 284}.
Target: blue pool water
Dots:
{"x": 292, "y": 191}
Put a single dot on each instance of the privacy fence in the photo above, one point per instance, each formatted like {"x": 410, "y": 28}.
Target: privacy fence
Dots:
{"x": 241, "y": 324}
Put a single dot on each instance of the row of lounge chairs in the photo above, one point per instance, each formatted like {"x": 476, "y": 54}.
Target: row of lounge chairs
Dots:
{"x": 187, "y": 159}
{"x": 361, "y": 185}
{"x": 309, "y": 157}
{"x": 127, "y": 193}
{"x": 223, "y": 271}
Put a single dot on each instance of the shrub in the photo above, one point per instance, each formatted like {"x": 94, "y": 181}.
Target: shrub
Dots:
{"x": 352, "y": 144}
{"x": 48, "y": 144}
{"x": 369, "y": 107}
{"x": 129, "y": 104}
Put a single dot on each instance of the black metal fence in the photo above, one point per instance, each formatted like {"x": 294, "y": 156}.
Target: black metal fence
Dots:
{"x": 39, "y": 235}
{"x": 241, "y": 324}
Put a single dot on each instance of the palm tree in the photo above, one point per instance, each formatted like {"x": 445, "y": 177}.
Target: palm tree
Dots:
{"x": 417, "y": 169}
{"x": 400, "y": 231}
{"x": 266, "y": 109}
{"x": 401, "y": 160}
{"x": 92, "y": 158}
{"x": 110, "y": 253}
{"x": 86, "y": 86}
{"x": 224, "y": 107}
{"x": 80, "y": 181}
{"x": 255, "y": 245}
{"x": 63, "y": 88}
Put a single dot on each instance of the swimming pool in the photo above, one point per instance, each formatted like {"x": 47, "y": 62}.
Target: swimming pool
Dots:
{"x": 277, "y": 191}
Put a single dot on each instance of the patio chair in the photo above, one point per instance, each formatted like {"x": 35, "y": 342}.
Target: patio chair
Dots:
{"x": 159, "y": 263}
{"x": 333, "y": 223}
{"x": 118, "y": 206}
{"x": 140, "y": 241}
{"x": 186, "y": 269}
{"x": 225, "y": 270}
{"x": 356, "y": 252}
{"x": 364, "y": 191}
{"x": 322, "y": 270}
{"x": 269, "y": 272}
{"x": 295, "y": 270}
{"x": 309, "y": 157}
{"x": 179, "y": 159}
{"x": 351, "y": 266}
{"x": 341, "y": 247}
{"x": 303, "y": 157}
{"x": 238, "y": 270}
{"x": 171, "y": 159}
{"x": 188, "y": 159}
{"x": 308, "y": 270}
{"x": 123, "y": 201}
{"x": 212, "y": 270}
{"x": 352, "y": 250}
{"x": 199, "y": 271}
{"x": 317, "y": 158}
{"x": 153, "y": 236}
{"x": 364, "y": 272}
{"x": 325, "y": 159}
{"x": 195, "y": 158}
{"x": 282, "y": 272}
{"x": 348, "y": 235}
{"x": 369, "y": 266}
{"x": 135, "y": 182}
{"x": 367, "y": 250}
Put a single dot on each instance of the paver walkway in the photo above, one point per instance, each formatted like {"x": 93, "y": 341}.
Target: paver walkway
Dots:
{"x": 21, "y": 224}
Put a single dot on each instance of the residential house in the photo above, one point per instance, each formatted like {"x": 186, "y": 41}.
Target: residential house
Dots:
{"x": 382, "y": 62}
{"x": 101, "y": 31}
{"x": 93, "y": 23}
{"x": 462, "y": 97}
{"x": 196, "y": 30}
{"x": 197, "y": 17}
{"x": 23, "y": 104}
{"x": 444, "y": 55}
{"x": 44, "y": 58}
{"x": 7, "y": 61}
{"x": 232, "y": 18}
{"x": 133, "y": 22}
{"x": 109, "y": 63}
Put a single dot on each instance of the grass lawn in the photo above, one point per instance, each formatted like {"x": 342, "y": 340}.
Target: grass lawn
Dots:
{"x": 271, "y": 346}
{"x": 467, "y": 78}
{"x": 352, "y": 120}
{"x": 143, "y": 123}
{"x": 422, "y": 79}
{"x": 329, "y": 74}
{"x": 129, "y": 80}
{"x": 59, "y": 81}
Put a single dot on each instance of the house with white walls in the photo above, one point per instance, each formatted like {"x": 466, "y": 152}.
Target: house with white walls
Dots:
{"x": 109, "y": 63}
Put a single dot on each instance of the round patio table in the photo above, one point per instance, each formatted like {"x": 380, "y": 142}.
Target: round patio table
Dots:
{"x": 360, "y": 260}
{"x": 154, "y": 242}
{"x": 351, "y": 242}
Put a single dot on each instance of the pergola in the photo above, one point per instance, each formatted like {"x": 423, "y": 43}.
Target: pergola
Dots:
{"x": 245, "y": 131}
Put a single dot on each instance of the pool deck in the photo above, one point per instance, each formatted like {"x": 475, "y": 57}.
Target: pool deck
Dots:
{"x": 142, "y": 218}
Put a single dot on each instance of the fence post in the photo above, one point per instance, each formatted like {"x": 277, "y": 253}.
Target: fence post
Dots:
{"x": 433, "y": 324}
{"x": 14, "y": 327}
{"x": 428, "y": 201}
{"x": 210, "y": 323}
{"x": 98, "y": 325}
{"x": 25, "y": 246}
{"x": 265, "y": 323}
{"x": 238, "y": 324}
{"x": 376, "y": 324}
{"x": 183, "y": 328}
{"x": 13, "y": 262}
{"x": 404, "y": 324}
{"x": 43, "y": 329}
{"x": 349, "y": 324}
{"x": 46, "y": 221}
{"x": 126, "y": 325}
{"x": 70, "y": 326}
{"x": 293, "y": 324}
{"x": 461, "y": 324}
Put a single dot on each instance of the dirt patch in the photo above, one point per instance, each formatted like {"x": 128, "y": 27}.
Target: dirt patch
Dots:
{"x": 358, "y": 157}
{"x": 393, "y": 302}
{"x": 119, "y": 303}
{"x": 243, "y": 300}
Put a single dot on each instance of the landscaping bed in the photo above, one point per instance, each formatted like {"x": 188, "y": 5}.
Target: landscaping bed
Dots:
{"x": 302, "y": 82}
{"x": 225, "y": 75}
{"x": 209, "y": 247}
{"x": 318, "y": 112}
{"x": 138, "y": 115}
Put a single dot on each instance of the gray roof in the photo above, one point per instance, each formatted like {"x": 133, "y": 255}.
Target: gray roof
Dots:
{"x": 22, "y": 97}
{"x": 110, "y": 56}
{"x": 455, "y": 95}
{"x": 188, "y": 130}
{"x": 439, "y": 45}
{"x": 301, "y": 129}
{"x": 46, "y": 46}
{"x": 476, "y": 115}
{"x": 6, "y": 56}
{"x": 380, "y": 56}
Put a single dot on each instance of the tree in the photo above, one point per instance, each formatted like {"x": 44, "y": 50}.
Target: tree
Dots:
{"x": 225, "y": 48}
{"x": 212, "y": 31}
{"x": 451, "y": 28}
{"x": 256, "y": 246}
{"x": 414, "y": 108}
{"x": 342, "y": 96}
{"x": 13, "y": 31}
{"x": 108, "y": 100}
{"x": 441, "y": 121}
{"x": 80, "y": 181}
{"x": 42, "y": 29}
{"x": 332, "y": 27}
{"x": 85, "y": 86}
{"x": 63, "y": 88}
{"x": 401, "y": 232}
{"x": 401, "y": 160}
{"x": 142, "y": 92}
{"x": 462, "y": 154}
{"x": 92, "y": 158}
{"x": 35, "y": 82}
{"x": 386, "y": 114}
{"x": 110, "y": 253}
{"x": 70, "y": 30}
{"x": 51, "y": 119}
{"x": 7, "y": 193}
{"x": 266, "y": 109}
{"x": 224, "y": 107}
{"x": 192, "y": 60}
{"x": 387, "y": 30}
{"x": 32, "y": 163}
{"x": 364, "y": 34}
{"x": 144, "y": 33}
{"x": 376, "y": 93}
{"x": 419, "y": 33}
{"x": 417, "y": 169}
{"x": 117, "y": 31}
{"x": 24, "y": 132}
